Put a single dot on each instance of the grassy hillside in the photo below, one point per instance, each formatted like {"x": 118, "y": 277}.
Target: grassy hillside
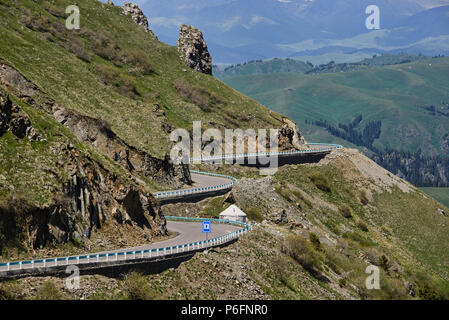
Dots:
{"x": 340, "y": 216}
{"x": 125, "y": 92}
{"x": 400, "y": 96}
{"x": 441, "y": 194}
{"x": 112, "y": 69}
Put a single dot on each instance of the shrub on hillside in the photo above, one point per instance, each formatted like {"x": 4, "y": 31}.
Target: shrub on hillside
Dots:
{"x": 321, "y": 182}
{"x": 122, "y": 84}
{"x": 426, "y": 292}
{"x": 137, "y": 288}
{"x": 37, "y": 23}
{"x": 383, "y": 262}
{"x": 198, "y": 96}
{"x": 315, "y": 240}
{"x": 43, "y": 24}
{"x": 103, "y": 46}
{"x": 345, "y": 211}
{"x": 302, "y": 252}
{"x": 136, "y": 58}
{"x": 53, "y": 10}
{"x": 49, "y": 291}
{"x": 427, "y": 288}
{"x": 76, "y": 47}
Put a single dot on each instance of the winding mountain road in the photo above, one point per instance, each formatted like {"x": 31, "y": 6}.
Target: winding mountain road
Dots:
{"x": 189, "y": 234}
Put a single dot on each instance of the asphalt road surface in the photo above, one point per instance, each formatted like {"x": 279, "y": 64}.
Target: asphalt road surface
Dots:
{"x": 185, "y": 233}
{"x": 204, "y": 181}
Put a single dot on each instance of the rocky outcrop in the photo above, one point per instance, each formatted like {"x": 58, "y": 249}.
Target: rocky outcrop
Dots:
{"x": 193, "y": 49}
{"x": 137, "y": 15}
{"x": 279, "y": 216}
{"x": 91, "y": 197}
{"x": 14, "y": 120}
{"x": 92, "y": 193}
{"x": 290, "y": 136}
{"x": 5, "y": 112}
{"x": 98, "y": 134}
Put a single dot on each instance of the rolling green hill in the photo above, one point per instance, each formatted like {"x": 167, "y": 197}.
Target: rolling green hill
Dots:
{"x": 263, "y": 67}
{"x": 396, "y": 95}
{"x": 288, "y": 65}
{"x": 408, "y": 103}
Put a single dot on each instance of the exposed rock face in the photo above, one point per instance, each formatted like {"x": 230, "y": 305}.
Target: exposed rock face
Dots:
{"x": 193, "y": 49}
{"x": 5, "y": 112}
{"x": 91, "y": 195}
{"x": 279, "y": 217}
{"x": 14, "y": 120}
{"x": 137, "y": 15}
{"x": 290, "y": 136}
{"x": 98, "y": 134}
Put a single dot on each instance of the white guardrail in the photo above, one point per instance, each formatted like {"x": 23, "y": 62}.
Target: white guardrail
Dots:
{"x": 181, "y": 193}
{"x": 164, "y": 251}
{"x": 329, "y": 146}
{"x": 135, "y": 254}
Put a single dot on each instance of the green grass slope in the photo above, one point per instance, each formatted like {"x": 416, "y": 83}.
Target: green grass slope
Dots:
{"x": 91, "y": 71}
{"x": 396, "y": 95}
{"x": 111, "y": 70}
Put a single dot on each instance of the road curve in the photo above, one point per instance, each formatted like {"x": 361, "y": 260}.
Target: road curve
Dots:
{"x": 187, "y": 232}
{"x": 203, "y": 181}
{"x": 209, "y": 183}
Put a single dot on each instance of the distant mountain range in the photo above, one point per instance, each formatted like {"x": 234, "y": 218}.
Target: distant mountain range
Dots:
{"x": 314, "y": 30}
{"x": 288, "y": 65}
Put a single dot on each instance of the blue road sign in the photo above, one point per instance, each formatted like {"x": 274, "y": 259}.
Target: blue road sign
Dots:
{"x": 207, "y": 227}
